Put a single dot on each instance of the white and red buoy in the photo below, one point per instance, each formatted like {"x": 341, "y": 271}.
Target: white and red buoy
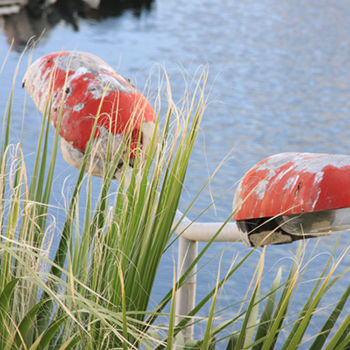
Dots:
{"x": 292, "y": 196}
{"x": 83, "y": 87}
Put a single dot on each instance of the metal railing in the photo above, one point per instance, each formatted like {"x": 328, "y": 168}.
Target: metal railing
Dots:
{"x": 190, "y": 234}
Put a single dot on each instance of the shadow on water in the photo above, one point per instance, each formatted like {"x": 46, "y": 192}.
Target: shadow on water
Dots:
{"x": 24, "y": 23}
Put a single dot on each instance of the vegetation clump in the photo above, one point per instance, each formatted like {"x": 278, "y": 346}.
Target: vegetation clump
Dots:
{"x": 92, "y": 290}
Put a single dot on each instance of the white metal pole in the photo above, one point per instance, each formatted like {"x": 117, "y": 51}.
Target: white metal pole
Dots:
{"x": 191, "y": 233}
{"x": 186, "y": 295}
{"x": 205, "y": 231}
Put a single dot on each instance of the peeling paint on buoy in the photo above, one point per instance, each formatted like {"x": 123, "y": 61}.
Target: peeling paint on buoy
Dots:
{"x": 293, "y": 189}
{"x": 83, "y": 87}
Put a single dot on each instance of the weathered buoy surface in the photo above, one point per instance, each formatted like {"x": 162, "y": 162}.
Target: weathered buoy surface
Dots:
{"x": 83, "y": 87}
{"x": 293, "y": 183}
{"x": 294, "y": 194}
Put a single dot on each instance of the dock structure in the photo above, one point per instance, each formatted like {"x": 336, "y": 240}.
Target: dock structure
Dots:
{"x": 8, "y": 7}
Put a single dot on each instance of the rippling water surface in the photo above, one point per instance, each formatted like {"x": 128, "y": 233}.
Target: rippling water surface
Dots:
{"x": 279, "y": 80}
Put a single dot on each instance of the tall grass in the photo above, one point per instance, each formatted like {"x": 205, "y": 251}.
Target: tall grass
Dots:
{"x": 94, "y": 292}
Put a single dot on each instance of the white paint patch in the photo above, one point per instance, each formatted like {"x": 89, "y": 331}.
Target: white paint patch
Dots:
{"x": 291, "y": 182}
{"x": 104, "y": 75}
{"x": 78, "y": 73}
{"x": 316, "y": 200}
{"x": 261, "y": 188}
{"x": 114, "y": 84}
{"x": 310, "y": 162}
{"x": 78, "y": 107}
{"x": 283, "y": 173}
{"x": 237, "y": 200}
{"x": 275, "y": 161}
{"x": 74, "y": 60}
{"x": 36, "y": 84}
{"x": 318, "y": 177}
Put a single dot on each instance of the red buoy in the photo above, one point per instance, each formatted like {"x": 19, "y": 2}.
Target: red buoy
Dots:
{"x": 294, "y": 195}
{"x": 83, "y": 87}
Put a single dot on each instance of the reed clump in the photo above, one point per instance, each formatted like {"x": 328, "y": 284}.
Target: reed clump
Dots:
{"x": 92, "y": 290}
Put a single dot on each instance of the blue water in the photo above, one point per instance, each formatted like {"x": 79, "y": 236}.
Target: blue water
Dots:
{"x": 279, "y": 80}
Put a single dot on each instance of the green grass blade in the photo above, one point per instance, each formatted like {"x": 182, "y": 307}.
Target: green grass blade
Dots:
{"x": 341, "y": 336}
{"x": 266, "y": 316}
{"x": 247, "y": 330}
{"x": 44, "y": 338}
{"x": 329, "y": 324}
{"x": 344, "y": 340}
{"x": 310, "y": 298}
{"x": 125, "y": 324}
{"x": 60, "y": 257}
{"x": 282, "y": 307}
{"x": 207, "y": 335}
{"x": 170, "y": 339}
{"x": 6, "y": 294}
{"x": 5, "y": 317}
{"x": 344, "y": 344}
{"x": 306, "y": 316}
{"x": 41, "y": 154}
{"x": 199, "y": 306}
{"x": 23, "y": 328}
{"x": 232, "y": 342}
{"x": 70, "y": 343}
